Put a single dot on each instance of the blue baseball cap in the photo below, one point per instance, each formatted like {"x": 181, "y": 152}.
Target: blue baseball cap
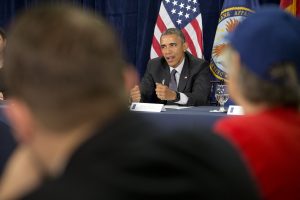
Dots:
{"x": 268, "y": 37}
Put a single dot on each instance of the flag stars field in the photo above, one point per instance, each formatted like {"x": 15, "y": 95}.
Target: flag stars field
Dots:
{"x": 184, "y": 15}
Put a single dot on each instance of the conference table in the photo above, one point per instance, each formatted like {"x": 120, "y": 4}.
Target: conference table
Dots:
{"x": 191, "y": 117}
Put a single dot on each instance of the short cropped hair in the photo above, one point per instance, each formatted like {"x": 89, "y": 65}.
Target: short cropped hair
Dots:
{"x": 174, "y": 31}
{"x": 286, "y": 93}
{"x": 65, "y": 64}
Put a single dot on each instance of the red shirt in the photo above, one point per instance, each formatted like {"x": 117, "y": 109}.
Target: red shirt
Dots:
{"x": 270, "y": 144}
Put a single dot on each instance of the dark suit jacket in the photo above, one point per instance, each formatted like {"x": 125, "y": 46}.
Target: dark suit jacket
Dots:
{"x": 194, "y": 80}
{"x": 130, "y": 159}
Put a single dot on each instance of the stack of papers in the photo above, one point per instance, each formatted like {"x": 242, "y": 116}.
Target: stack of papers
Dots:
{"x": 175, "y": 107}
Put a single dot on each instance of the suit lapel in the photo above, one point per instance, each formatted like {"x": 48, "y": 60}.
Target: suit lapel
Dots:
{"x": 184, "y": 76}
{"x": 166, "y": 73}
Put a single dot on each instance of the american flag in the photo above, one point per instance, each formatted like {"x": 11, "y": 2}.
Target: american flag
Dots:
{"x": 184, "y": 15}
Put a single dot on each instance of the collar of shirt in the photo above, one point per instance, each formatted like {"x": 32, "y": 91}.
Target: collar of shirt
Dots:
{"x": 178, "y": 68}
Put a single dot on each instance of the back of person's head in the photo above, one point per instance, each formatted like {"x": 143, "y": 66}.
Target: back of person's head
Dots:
{"x": 268, "y": 45}
{"x": 64, "y": 64}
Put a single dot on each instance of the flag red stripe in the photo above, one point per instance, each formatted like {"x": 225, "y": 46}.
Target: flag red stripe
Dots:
{"x": 293, "y": 4}
{"x": 285, "y": 3}
{"x": 156, "y": 46}
{"x": 190, "y": 42}
{"x": 198, "y": 31}
{"x": 160, "y": 24}
{"x": 298, "y": 9}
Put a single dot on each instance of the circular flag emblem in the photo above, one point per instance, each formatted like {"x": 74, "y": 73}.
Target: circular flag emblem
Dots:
{"x": 229, "y": 19}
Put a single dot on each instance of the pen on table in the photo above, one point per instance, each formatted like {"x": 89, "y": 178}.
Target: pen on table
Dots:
{"x": 163, "y": 81}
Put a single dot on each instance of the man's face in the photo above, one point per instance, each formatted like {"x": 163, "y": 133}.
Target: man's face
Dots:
{"x": 172, "y": 49}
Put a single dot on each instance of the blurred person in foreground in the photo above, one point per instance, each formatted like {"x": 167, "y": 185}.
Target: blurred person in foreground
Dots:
{"x": 264, "y": 70}
{"x": 177, "y": 77}
{"x": 77, "y": 140}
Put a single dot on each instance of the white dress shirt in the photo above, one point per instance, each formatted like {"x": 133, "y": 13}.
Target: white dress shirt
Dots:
{"x": 183, "y": 98}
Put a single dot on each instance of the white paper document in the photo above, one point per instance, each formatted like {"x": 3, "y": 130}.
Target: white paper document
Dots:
{"x": 235, "y": 110}
{"x": 175, "y": 107}
{"x": 147, "y": 107}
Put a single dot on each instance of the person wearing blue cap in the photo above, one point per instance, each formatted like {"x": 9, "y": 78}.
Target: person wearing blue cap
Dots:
{"x": 263, "y": 60}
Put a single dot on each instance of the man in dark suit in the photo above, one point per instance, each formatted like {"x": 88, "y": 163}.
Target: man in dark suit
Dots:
{"x": 187, "y": 85}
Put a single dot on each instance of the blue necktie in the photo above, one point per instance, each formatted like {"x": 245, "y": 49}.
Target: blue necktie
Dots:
{"x": 173, "y": 83}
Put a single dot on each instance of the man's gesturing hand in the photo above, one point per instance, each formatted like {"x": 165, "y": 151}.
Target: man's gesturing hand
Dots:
{"x": 135, "y": 94}
{"x": 164, "y": 93}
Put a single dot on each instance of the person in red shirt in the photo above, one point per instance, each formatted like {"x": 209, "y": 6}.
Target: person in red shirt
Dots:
{"x": 263, "y": 61}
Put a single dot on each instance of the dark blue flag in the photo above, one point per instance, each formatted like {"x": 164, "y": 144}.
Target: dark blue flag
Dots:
{"x": 233, "y": 12}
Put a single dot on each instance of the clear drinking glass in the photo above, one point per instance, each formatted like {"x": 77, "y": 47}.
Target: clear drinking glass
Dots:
{"x": 222, "y": 96}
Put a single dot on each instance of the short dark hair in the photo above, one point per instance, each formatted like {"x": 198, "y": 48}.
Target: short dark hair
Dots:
{"x": 3, "y": 33}
{"x": 174, "y": 31}
{"x": 65, "y": 64}
{"x": 284, "y": 91}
